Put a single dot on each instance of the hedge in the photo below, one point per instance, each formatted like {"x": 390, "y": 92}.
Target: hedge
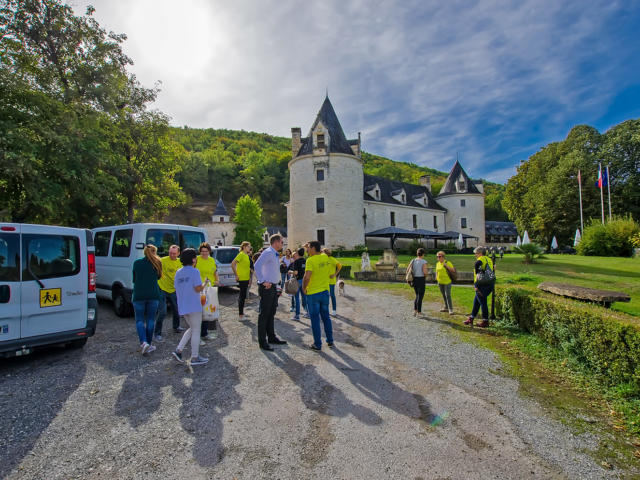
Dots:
{"x": 606, "y": 345}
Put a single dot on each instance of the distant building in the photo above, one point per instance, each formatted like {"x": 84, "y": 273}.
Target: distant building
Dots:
{"x": 331, "y": 199}
{"x": 501, "y": 233}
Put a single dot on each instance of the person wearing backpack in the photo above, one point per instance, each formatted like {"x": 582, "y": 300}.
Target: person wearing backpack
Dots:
{"x": 445, "y": 274}
{"x": 418, "y": 270}
{"x": 483, "y": 282}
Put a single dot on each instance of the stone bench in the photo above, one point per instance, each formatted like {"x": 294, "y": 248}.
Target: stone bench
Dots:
{"x": 602, "y": 297}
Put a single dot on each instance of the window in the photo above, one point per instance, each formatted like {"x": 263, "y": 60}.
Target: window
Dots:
{"x": 221, "y": 219}
{"x": 377, "y": 194}
{"x": 415, "y": 221}
{"x": 320, "y": 175}
{"x": 191, "y": 240}
{"x": 463, "y": 203}
{"x": 319, "y": 205}
{"x": 122, "y": 243}
{"x": 50, "y": 256}
{"x": 101, "y": 241}
{"x": 320, "y": 139}
{"x": 404, "y": 200}
{"x": 435, "y": 222}
{"x": 364, "y": 217}
{"x": 226, "y": 255}
{"x": 9, "y": 257}
{"x": 321, "y": 236}
{"x": 160, "y": 237}
{"x": 463, "y": 223}
{"x": 393, "y": 219}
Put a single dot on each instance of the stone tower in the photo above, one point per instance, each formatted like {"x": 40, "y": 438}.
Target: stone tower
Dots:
{"x": 325, "y": 185}
{"x": 464, "y": 200}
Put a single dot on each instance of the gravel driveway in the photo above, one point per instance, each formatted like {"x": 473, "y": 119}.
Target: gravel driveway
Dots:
{"x": 399, "y": 398}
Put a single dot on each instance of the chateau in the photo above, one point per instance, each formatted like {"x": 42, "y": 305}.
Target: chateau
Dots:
{"x": 333, "y": 201}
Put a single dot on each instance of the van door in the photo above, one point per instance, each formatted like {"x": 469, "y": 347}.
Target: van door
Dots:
{"x": 54, "y": 281}
{"x": 10, "y": 285}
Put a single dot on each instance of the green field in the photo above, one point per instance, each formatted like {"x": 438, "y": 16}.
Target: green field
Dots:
{"x": 606, "y": 273}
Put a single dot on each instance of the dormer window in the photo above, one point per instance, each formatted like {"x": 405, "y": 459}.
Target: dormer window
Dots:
{"x": 462, "y": 186}
{"x": 399, "y": 196}
{"x": 320, "y": 140}
{"x": 404, "y": 200}
{"x": 377, "y": 193}
{"x": 373, "y": 191}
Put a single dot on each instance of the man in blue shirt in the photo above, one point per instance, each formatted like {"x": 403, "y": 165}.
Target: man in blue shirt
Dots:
{"x": 267, "y": 269}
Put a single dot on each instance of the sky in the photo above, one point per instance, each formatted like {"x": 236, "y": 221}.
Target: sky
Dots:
{"x": 491, "y": 82}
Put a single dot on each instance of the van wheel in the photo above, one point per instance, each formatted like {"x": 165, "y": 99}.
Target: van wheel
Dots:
{"x": 121, "y": 307}
{"x": 79, "y": 343}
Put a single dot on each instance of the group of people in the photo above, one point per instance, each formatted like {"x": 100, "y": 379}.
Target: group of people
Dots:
{"x": 180, "y": 278}
{"x": 445, "y": 274}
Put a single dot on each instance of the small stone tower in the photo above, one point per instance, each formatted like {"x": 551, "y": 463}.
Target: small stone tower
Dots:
{"x": 325, "y": 185}
{"x": 220, "y": 215}
{"x": 464, "y": 200}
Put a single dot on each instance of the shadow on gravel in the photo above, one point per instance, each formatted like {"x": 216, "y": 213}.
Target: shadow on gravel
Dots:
{"x": 207, "y": 397}
{"x": 30, "y": 401}
{"x": 457, "y": 326}
{"x": 365, "y": 326}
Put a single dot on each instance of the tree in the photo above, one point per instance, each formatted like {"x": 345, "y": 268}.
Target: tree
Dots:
{"x": 248, "y": 214}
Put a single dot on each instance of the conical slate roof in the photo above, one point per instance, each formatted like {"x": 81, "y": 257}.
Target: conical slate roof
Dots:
{"x": 338, "y": 143}
{"x": 220, "y": 209}
{"x": 449, "y": 187}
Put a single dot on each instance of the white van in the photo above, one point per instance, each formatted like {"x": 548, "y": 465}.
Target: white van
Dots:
{"x": 119, "y": 246}
{"x": 47, "y": 287}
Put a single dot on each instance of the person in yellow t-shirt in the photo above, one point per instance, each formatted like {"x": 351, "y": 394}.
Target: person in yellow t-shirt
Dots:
{"x": 315, "y": 285}
{"x": 334, "y": 269}
{"x": 444, "y": 271}
{"x": 241, "y": 266}
{"x": 208, "y": 269}
{"x": 170, "y": 265}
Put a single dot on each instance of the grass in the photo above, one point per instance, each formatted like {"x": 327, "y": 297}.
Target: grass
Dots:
{"x": 606, "y": 273}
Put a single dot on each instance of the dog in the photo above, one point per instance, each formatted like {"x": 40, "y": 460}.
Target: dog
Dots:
{"x": 341, "y": 288}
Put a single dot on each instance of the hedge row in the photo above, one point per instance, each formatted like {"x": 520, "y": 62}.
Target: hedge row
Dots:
{"x": 607, "y": 346}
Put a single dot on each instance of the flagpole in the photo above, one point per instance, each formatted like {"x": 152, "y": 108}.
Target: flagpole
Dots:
{"x": 580, "y": 194}
{"x": 609, "y": 191}
{"x": 601, "y": 192}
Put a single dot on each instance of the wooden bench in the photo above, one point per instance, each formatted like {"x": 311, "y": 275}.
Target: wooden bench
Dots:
{"x": 602, "y": 297}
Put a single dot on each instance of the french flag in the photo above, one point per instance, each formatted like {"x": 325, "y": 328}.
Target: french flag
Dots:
{"x": 602, "y": 177}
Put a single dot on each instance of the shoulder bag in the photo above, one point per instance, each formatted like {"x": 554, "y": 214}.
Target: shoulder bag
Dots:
{"x": 408, "y": 277}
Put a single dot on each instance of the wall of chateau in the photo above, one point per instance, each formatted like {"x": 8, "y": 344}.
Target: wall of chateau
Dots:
{"x": 473, "y": 211}
{"x": 379, "y": 216}
{"x": 343, "y": 204}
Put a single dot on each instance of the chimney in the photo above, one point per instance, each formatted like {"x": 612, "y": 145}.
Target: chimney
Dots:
{"x": 296, "y": 134}
{"x": 425, "y": 181}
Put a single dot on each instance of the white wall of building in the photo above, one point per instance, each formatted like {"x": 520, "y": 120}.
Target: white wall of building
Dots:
{"x": 379, "y": 216}
{"x": 472, "y": 211}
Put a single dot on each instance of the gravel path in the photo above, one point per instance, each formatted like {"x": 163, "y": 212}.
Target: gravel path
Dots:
{"x": 399, "y": 398}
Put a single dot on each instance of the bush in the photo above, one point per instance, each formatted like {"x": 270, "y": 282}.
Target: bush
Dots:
{"x": 531, "y": 251}
{"x": 613, "y": 239}
{"x": 607, "y": 346}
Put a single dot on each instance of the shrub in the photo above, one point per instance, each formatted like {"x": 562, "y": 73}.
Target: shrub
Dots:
{"x": 607, "y": 346}
{"x": 531, "y": 251}
{"x": 613, "y": 239}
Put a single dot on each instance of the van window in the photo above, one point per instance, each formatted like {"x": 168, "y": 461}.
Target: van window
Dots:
{"x": 9, "y": 257}
{"x": 191, "y": 240}
{"x": 101, "y": 242}
{"x": 50, "y": 256}
{"x": 122, "y": 243}
{"x": 162, "y": 239}
{"x": 226, "y": 255}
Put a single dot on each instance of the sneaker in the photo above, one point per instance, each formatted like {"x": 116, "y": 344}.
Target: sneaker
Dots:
{"x": 306, "y": 315}
{"x": 178, "y": 356}
{"x": 151, "y": 348}
{"x": 179, "y": 329}
{"x": 295, "y": 318}
{"x": 314, "y": 348}
{"x": 331, "y": 345}
{"x": 469, "y": 321}
{"x": 202, "y": 343}
{"x": 483, "y": 324}
{"x": 212, "y": 335}
{"x": 144, "y": 347}
{"x": 333, "y": 312}
{"x": 443, "y": 309}
{"x": 292, "y": 309}
{"x": 199, "y": 360}
{"x": 159, "y": 339}
{"x": 451, "y": 312}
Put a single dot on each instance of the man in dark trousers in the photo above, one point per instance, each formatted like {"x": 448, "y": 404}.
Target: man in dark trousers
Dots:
{"x": 267, "y": 269}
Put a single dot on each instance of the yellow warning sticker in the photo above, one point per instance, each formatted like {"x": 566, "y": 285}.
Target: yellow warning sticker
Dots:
{"x": 50, "y": 297}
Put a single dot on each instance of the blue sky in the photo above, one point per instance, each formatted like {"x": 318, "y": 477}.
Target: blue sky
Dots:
{"x": 492, "y": 80}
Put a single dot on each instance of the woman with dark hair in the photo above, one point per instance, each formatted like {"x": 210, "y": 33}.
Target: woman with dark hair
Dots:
{"x": 482, "y": 291}
{"x": 419, "y": 269}
{"x": 206, "y": 265}
{"x": 146, "y": 295}
{"x": 188, "y": 286}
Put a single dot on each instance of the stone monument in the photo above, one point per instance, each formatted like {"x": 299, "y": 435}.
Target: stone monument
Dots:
{"x": 387, "y": 266}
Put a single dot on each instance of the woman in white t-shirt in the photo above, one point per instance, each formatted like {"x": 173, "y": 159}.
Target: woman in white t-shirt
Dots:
{"x": 419, "y": 266}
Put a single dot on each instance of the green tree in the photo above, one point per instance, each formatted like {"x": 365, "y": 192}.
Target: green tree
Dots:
{"x": 248, "y": 214}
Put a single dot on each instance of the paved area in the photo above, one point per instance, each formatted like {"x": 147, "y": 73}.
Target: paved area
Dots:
{"x": 399, "y": 398}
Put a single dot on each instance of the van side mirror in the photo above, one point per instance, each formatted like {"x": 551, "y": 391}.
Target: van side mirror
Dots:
{"x": 5, "y": 294}
{"x": 140, "y": 246}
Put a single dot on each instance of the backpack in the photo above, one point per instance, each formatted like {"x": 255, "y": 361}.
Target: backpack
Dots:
{"x": 485, "y": 277}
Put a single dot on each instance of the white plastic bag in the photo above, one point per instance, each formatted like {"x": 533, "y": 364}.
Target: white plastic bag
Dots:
{"x": 211, "y": 308}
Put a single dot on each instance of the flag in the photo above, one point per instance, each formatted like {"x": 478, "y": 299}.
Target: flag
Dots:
{"x": 602, "y": 177}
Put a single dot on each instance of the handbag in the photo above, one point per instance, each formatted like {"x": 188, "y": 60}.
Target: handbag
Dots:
{"x": 485, "y": 277}
{"x": 453, "y": 275}
{"x": 408, "y": 277}
{"x": 291, "y": 286}
{"x": 211, "y": 308}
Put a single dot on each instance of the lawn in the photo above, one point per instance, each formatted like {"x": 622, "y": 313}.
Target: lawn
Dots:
{"x": 607, "y": 273}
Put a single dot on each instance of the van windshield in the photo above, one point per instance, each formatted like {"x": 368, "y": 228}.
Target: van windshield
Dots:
{"x": 190, "y": 239}
{"x": 226, "y": 255}
{"x": 162, "y": 238}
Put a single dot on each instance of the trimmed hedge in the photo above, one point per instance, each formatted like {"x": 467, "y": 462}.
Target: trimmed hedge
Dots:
{"x": 607, "y": 346}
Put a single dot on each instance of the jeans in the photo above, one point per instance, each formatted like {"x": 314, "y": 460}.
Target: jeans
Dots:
{"x": 318, "y": 305}
{"x": 145, "y": 313}
{"x": 480, "y": 301}
{"x": 192, "y": 334}
{"x": 268, "y": 306}
{"x": 332, "y": 294}
{"x": 162, "y": 311}
{"x": 445, "y": 290}
{"x": 418, "y": 287}
{"x": 244, "y": 286}
{"x": 300, "y": 298}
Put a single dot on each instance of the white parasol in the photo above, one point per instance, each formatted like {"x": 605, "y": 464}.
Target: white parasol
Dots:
{"x": 576, "y": 240}
{"x": 525, "y": 238}
{"x": 518, "y": 241}
{"x": 554, "y": 243}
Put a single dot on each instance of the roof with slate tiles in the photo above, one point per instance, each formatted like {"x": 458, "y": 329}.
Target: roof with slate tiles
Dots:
{"x": 220, "y": 209}
{"x": 392, "y": 187}
{"x": 338, "y": 142}
{"x": 500, "y": 228}
{"x": 449, "y": 187}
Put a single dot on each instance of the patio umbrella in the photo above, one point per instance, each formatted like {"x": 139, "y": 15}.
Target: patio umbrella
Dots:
{"x": 392, "y": 233}
{"x": 518, "y": 241}
{"x": 576, "y": 240}
{"x": 525, "y": 238}
{"x": 554, "y": 243}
